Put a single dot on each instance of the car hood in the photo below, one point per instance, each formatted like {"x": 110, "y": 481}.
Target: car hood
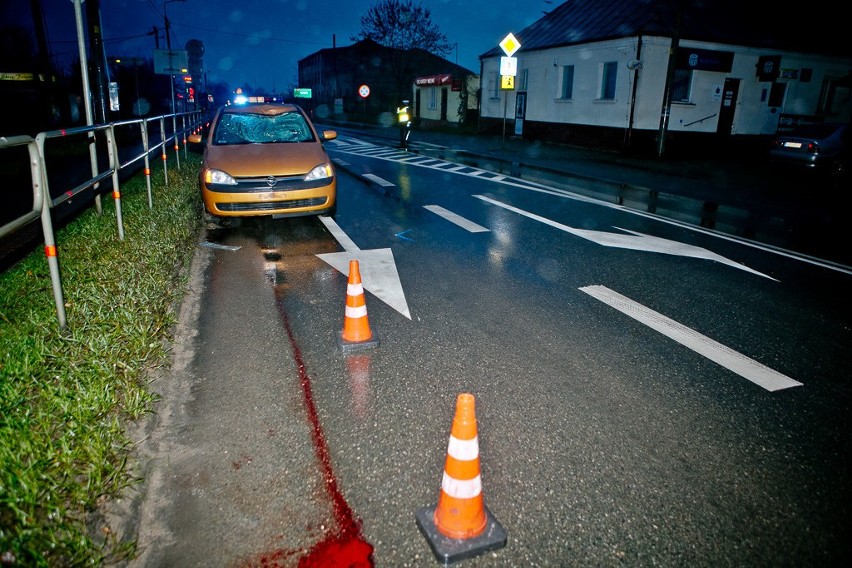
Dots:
{"x": 250, "y": 160}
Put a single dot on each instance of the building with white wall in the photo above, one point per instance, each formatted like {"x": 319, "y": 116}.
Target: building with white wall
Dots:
{"x": 445, "y": 98}
{"x": 620, "y": 73}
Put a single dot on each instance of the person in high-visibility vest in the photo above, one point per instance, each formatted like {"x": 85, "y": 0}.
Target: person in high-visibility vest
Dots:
{"x": 403, "y": 120}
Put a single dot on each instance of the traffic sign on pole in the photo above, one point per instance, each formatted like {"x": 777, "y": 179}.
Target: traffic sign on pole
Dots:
{"x": 510, "y": 45}
{"x": 509, "y": 66}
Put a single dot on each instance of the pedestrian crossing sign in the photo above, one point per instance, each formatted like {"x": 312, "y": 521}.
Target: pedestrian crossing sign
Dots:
{"x": 507, "y": 82}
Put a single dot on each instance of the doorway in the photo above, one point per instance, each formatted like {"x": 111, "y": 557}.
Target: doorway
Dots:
{"x": 444, "y": 104}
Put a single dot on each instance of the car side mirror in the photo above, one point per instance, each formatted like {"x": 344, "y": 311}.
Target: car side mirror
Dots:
{"x": 329, "y": 134}
{"x": 194, "y": 138}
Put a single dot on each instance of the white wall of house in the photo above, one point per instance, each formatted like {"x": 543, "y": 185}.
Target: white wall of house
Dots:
{"x": 588, "y": 102}
{"x": 430, "y": 99}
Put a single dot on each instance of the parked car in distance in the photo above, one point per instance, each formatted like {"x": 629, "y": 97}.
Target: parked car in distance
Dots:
{"x": 825, "y": 147}
{"x": 266, "y": 159}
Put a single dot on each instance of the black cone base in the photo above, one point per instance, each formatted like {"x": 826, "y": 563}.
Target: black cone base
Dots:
{"x": 450, "y": 550}
{"x": 348, "y": 346}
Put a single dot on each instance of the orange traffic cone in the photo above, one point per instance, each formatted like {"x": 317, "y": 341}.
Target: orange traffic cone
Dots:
{"x": 356, "y": 325}
{"x": 460, "y": 526}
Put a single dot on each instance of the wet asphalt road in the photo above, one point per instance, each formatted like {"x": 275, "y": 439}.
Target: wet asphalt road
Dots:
{"x": 602, "y": 441}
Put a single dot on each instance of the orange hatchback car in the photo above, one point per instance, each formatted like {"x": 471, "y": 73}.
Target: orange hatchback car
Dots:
{"x": 266, "y": 159}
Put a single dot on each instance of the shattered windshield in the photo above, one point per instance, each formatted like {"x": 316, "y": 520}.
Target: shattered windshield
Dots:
{"x": 242, "y": 128}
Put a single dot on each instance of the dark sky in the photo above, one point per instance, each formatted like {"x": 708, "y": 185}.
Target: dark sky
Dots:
{"x": 259, "y": 42}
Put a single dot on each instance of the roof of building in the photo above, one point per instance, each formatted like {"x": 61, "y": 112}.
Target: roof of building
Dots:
{"x": 427, "y": 63}
{"x": 720, "y": 21}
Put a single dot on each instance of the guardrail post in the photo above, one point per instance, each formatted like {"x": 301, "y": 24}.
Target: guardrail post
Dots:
{"x": 40, "y": 174}
{"x": 653, "y": 197}
{"x": 183, "y": 130}
{"x": 112, "y": 151}
{"x": 93, "y": 158}
{"x": 163, "y": 142}
{"x": 175, "y": 136}
{"x": 146, "y": 149}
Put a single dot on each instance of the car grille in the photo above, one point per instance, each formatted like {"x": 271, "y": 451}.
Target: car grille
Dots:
{"x": 272, "y": 205}
{"x": 261, "y": 184}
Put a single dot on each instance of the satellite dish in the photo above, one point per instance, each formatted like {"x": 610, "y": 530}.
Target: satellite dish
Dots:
{"x": 634, "y": 64}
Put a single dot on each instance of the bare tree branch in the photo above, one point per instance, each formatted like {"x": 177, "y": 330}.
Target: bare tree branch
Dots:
{"x": 401, "y": 24}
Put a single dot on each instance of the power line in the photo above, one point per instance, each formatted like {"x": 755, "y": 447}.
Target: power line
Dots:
{"x": 155, "y": 9}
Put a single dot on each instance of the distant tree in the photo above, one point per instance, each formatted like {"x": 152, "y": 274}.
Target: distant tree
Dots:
{"x": 402, "y": 26}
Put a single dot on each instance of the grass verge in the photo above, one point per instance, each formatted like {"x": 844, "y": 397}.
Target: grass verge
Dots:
{"x": 65, "y": 394}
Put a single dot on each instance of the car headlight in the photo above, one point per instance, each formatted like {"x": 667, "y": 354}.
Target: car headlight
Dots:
{"x": 322, "y": 171}
{"x": 218, "y": 177}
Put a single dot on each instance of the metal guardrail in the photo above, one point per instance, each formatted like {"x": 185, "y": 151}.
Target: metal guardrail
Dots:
{"x": 43, "y": 202}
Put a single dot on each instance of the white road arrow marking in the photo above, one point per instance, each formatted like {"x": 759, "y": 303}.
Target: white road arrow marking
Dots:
{"x": 377, "y": 267}
{"x": 633, "y": 241}
{"x": 750, "y": 369}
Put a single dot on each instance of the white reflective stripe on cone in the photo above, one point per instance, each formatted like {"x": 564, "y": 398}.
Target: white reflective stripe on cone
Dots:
{"x": 356, "y": 311}
{"x": 461, "y": 488}
{"x": 354, "y": 289}
{"x": 463, "y": 450}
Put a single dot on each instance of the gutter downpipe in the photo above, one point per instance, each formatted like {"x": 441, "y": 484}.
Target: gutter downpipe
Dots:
{"x": 667, "y": 94}
{"x": 479, "y": 98}
{"x": 628, "y": 135}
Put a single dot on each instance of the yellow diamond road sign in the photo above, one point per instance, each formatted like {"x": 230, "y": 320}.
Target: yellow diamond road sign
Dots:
{"x": 510, "y": 45}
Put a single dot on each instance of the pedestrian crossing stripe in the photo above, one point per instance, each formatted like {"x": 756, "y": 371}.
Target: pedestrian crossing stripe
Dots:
{"x": 366, "y": 149}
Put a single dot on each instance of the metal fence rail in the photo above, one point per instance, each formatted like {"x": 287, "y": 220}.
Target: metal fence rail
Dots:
{"x": 134, "y": 134}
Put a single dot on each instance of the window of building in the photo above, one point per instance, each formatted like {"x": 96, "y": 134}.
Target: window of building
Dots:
{"x": 609, "y": 72}
{"x": 433, "y": 98}
{"x": 566, "y": 82}
{"x": 523, "y": 79}
{"x": 682, "y": 86}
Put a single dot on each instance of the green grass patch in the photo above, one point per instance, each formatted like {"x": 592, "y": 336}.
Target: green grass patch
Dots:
{"x": 65, "y": 393}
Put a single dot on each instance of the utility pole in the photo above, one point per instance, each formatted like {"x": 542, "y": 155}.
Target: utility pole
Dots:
{"x": 87, "y": 95}
{"x": 98, "y": 61}
{"x": 169, "y": 47}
